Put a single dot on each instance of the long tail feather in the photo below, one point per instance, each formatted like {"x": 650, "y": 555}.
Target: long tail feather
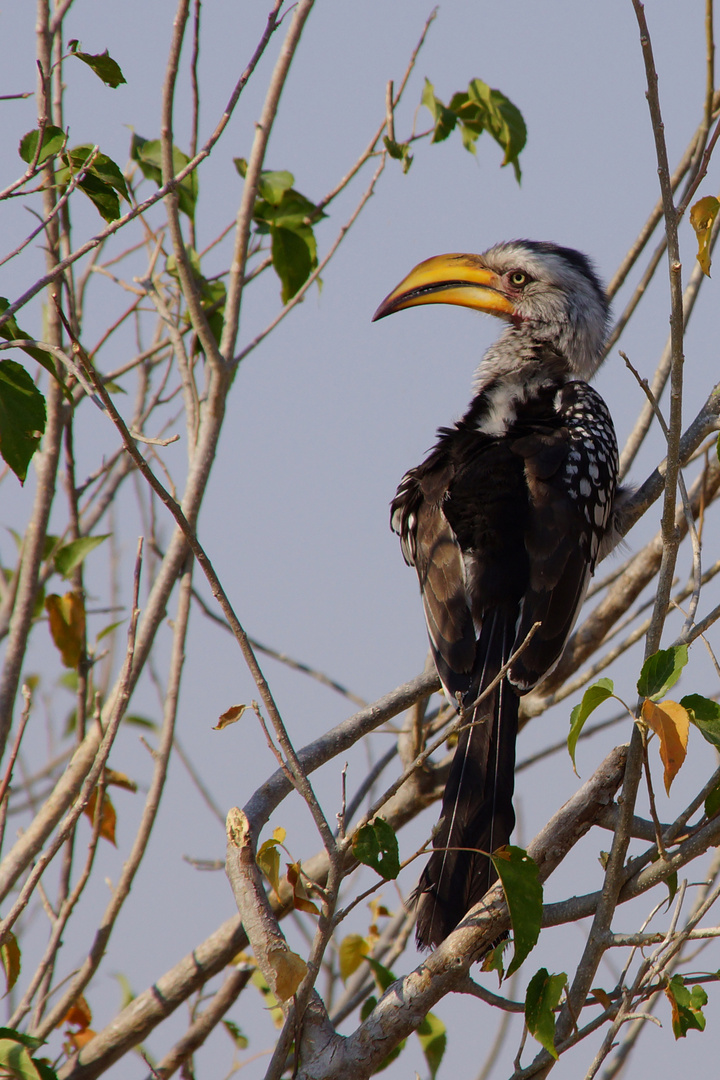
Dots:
{"x": 477, "y": 813}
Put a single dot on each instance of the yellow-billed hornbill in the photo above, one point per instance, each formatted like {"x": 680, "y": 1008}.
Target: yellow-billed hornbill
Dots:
{"x": 504, "y": 522}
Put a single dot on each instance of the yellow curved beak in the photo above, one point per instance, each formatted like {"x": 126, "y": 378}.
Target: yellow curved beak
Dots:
{"x": 449, "y": 279}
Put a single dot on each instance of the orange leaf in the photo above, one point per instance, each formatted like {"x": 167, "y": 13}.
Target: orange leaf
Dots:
{"x": 602, "y": 996}
{"x": 81, "y": 1038}
{"x": 78, "y": 1014}
{"x": 108, "y": 819}
{"x": 670, "y": 722}
{"x": 67, "y": 625}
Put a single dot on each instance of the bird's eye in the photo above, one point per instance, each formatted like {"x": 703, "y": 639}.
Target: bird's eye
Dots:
{"x": 518, "y": 278}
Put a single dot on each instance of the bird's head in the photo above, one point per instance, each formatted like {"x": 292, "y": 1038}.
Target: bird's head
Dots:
{"x": 548, "y": 293}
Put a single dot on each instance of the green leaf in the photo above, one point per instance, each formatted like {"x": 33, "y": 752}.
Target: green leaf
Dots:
{"x": 102, "y": 197}
{"x": 288, "y": 221}
{"x": 126, "y": 990}
{"x": 294, "y": 211}
{"x": 444, "y": 119}
{"x": 241, "y": 1041}
{"x": 493, "y": 960}
{"x": 384, "y": 976}
{"x": 45, "y": 1070}
{"x": 241, "y": 165}
{"x": 661, "y": 671}
{"x": 502, "y": 119}
{"x": 672, "y": 886}
{"x": 376, "y": 845}
{"x": 69, "y": 557}
{"x": 148, "y": 154}
{"x": 367, "y": 1007}
{"x": 273, "y": 185}
{"x": 704, "y": 713}
{"x": 686, "y": 1005}
{"x": 102, "y": 181}
{"x": 712, "y": 803}
{"x": 12, "y": 332}
{"x": 102, "y": 167}
{"x": 543, "y": 997}
{"x": 213, "y": 294}
{"x": 108, "y": 630}
{"x": 22, "y": 417}
{"x": 480, "y": 108}
{"x": 399, "y": 151}
{"x": 518, "y": 874}
{"x": 701, "y": 708}
{"x": 370, "y": 1003}
{"x": 432, "y": 1034}
{"x": 16, "y": 1059}
{"x": 292, "y": 260}
{"x": 10, "y": 956}
{"x": 53, "y": 140}
{"x": 104, "y": 67}
{"x": 593, "y": 696}
{"x": 140, "y": 721}
{"x": 31, "y": 1041}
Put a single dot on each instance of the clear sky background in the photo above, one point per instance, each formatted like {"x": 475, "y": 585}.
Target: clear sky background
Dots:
{"x": 330, "y": 411}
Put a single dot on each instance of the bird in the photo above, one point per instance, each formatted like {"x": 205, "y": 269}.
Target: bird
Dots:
{"x": 504, "y": 522}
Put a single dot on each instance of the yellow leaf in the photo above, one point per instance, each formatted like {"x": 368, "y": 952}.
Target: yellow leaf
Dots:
{"x": 67, "y": 625}
{"x": 10, "y": 956}
{"x": 279, "y": 835}
{"x": 289, "y": 970}
{"x": 230, "y": 716}
{"x": 243, "y": 959}
{"x": 702, "y": 217}
{"x": 258, "y": 979}
{"x": 268, "y": 859}
{"x": 353, "y": 950}
{"x": 119, "y": 779}
{"x": 670, "y": 722}
{"x": 108, "y": 816}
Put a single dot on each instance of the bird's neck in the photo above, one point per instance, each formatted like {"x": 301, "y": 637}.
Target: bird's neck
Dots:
{"x": 518, "y": 375}
{"x": 561, "y": 351}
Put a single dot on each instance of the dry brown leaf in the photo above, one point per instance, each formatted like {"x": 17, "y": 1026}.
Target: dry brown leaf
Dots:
{"x": 602, "y": 996}
{"x": 67, "y": 625}
{"x": 301, "y": 900}
{"x": 230, "y": 716}
{"x": 670, "y": 722}
{"x": 289, "y": 969}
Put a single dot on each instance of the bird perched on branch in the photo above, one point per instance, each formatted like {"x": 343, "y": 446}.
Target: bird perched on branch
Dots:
{"x": 504, "y": 522}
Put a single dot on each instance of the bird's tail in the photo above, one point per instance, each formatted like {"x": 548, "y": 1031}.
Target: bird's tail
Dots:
{"x": 477, "y": 812}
